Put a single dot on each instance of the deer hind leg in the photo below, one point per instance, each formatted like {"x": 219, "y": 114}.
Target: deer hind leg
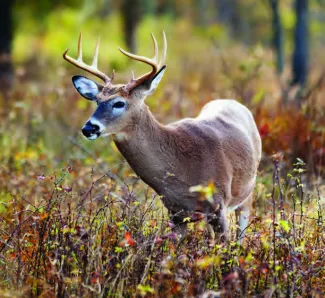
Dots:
{"x": 242, "y": 217}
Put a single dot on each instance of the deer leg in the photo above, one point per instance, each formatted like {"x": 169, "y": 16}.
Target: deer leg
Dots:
{"x": 219, "y": 223}
{"x": 180, "y": 227}
{"x": 242, "y": 217}
{"x": 181, "y": 231}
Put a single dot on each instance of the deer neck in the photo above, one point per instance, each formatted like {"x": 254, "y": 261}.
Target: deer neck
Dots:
{"x": 145, "y": 147}
{"x": 159, "y": 156}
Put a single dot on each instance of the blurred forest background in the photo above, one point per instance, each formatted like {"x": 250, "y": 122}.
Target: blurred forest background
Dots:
{"x": 54, "y": 183}
{"x": 254, "y": 51}
{"x": 259, "y": 52}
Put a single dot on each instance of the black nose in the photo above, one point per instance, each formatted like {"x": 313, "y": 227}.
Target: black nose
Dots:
{"x": 90, "y": 129}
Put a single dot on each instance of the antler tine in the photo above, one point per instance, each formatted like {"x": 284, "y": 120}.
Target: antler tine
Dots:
{"x": 164, "y": 51}
{"x": 155, "y": 45}
{"x": 150, "y": 61}
{"x": 113, "y": 75}
{"x": 147, "y": 60}
{"x": 80, "y": 48}
{"x": 132, "y": 73}
{"x": 91, "y": 69}
{"x": 95, "y": 59}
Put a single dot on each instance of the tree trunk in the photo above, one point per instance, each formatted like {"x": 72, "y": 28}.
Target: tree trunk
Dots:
{"x": 6, "y": 69}
{"x": 166, "y": 7}
{"x": 277, "y": 41}
{"x": 300, "y": 55}
{"x": 105, "y": 10}
{"x": 149, "y": 7}
{"x": 228, "y": 13}
{"x": 201, "y": 10}
{"x": 131, "y": 15}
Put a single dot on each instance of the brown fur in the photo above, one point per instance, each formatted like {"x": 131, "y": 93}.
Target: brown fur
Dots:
{"x": 111, "y": 92}
{"x": 223, "y": 147}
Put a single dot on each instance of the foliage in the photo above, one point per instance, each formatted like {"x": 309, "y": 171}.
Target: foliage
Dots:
{"x": 113, "y": 239}
{"x": 294, "y": 133}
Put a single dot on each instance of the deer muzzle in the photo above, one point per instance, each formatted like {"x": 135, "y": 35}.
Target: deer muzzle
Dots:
{"x": 91, "y": 131}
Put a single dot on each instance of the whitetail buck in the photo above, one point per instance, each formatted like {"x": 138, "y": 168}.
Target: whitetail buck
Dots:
{"x": 222, "y": 144}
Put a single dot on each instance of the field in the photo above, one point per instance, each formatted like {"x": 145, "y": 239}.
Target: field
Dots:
{"x": 75, "y": 221}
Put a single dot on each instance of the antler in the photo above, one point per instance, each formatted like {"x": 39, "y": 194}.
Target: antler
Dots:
{"x": 153, "y": 62}
{"x": 90, "y": 68}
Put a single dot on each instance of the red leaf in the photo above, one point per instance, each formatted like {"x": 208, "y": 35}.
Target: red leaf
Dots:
{"x": 128, "y": 239}
{"x": 264, "y": 130}
{"x": 158, "y": 240}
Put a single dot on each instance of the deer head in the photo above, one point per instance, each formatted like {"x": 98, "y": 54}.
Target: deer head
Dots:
{"x": 116, "y": 104}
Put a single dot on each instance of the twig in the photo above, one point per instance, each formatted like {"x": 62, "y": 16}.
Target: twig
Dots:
{"x": 108, "y": 172}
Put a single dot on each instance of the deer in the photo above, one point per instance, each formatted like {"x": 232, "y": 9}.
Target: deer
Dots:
{"x": 221, "y": 145}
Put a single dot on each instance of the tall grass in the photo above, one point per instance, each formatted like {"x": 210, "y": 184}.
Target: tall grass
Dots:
{"x": 115, "y": 239}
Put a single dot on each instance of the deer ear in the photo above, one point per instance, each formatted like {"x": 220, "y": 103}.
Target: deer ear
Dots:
{"x": 86, "y": 87}
{"x": 154, "y": 82}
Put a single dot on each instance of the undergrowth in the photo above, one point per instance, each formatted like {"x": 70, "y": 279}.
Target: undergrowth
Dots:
{"x": 111, "y": 241}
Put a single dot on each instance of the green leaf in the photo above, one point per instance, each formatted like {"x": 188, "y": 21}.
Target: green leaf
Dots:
{"x": 118, "y": 249}
{"x": 207, "y": 191}
{"x": 285, "y": 225}
{"x": 258, "y": 97}
{"x": 144, "y": 289}
{"x": 249, "y": 257}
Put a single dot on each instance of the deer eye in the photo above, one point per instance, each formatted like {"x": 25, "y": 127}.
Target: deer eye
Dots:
{"x": 119, "y": 105}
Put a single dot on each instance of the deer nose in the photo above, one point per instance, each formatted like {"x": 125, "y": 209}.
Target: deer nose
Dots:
{"x": 90, "y": 129}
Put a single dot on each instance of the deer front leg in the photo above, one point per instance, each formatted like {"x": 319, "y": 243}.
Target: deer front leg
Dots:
{"x": 180, "y": 227}
{"x": 219, "y": 223}
{"x": 181, "y": 231}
